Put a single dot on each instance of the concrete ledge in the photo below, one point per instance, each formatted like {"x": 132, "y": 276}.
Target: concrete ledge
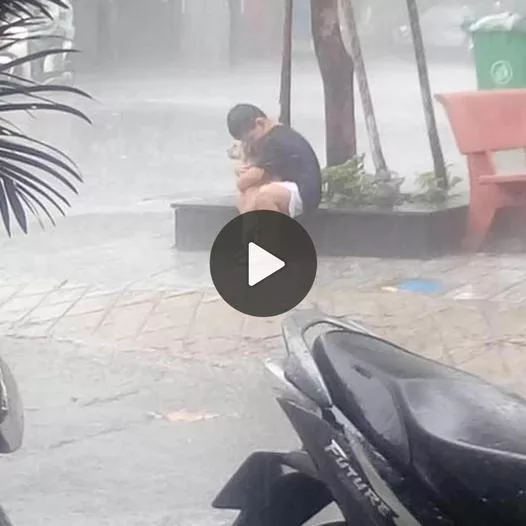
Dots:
{"x": 408, "y": 231}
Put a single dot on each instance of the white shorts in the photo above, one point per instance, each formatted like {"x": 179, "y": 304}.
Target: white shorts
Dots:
{"x": 295, "y": 203}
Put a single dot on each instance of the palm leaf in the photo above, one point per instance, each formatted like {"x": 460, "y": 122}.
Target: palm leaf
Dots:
{"x": 31, "y": 207}
{"x": 34, "y": 175}
{"x": 4, "y": 208}
{"x": 20, "y": 8}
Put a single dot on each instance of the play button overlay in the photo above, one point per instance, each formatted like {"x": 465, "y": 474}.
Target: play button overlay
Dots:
{"x": 263, "y": 263}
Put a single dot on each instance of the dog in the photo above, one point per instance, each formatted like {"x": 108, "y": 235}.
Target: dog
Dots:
{"x": 244, "y": 154}
{"x": 241, "y": 151}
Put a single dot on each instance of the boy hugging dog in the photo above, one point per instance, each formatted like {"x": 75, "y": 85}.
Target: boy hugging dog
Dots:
{"x": 277, "y": 168}
{"x": 244, "y": 153}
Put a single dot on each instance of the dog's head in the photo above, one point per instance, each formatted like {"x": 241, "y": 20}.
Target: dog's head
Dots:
{"x": 235, "y": 151}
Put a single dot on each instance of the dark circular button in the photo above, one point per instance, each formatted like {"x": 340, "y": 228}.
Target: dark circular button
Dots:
{"x": 263, "y": 263}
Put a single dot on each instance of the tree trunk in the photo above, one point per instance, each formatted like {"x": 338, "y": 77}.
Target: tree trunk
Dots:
{"x": 337, "y": 72}
{"x": 439, "y": 165}
{"x": 286, "y": 65}
{"x": 363, "y": 84}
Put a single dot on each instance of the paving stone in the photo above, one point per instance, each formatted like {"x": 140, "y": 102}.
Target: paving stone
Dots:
{"x": 442, "y": 265}
{"x": 508, "y": 321}
{"x": 124, "y": 322}
{"x": 12, "y": 316}
{"x": 38, "y": 287}
{"x": 176, "y": 311}
{"x": 7, "y": 292}
{"x": 485, "y": 333}
{"x": 514, "y": 359}
{"x": 502, "y": 261}
{"x": 490, "y": 367}
{"x": 20, "y": 303}
{"x": 341, "y": 298}
{"x": 65, "y": 295}
{"x": 182, "y": 304}
{"x": 133, "y": 297}
{"x": 48, "y": 312}
{"x": 210, "y": 346}
{"x": 459, "y": 322}
{"x": 515, "y": 294}
{"x": 423, "y": 338}
{"x": 71, "y": 284}
{"x": 180, "y": 318}
{"x": 216, "y": 319}
{"x": 481, "y": 291}
{"x": 94, "y": 303}
{"x": 262, "y": 328}
{"x": 269, "y": 348}
{"x": 79, "y": 327}
{"x": 170, "y": 339}
{"x": 5, "y": 326}
{"x": 401, "y": 307}
{"x": 32, "y": 330}
{"x": 468, "y": 350}
{"x": 463, "y": 275}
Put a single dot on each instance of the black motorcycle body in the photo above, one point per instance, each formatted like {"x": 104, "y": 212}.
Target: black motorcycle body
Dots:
{"x": 11, "y": 420}
{"x": 393, "y": 438}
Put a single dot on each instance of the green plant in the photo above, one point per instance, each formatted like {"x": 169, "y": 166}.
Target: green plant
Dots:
{"x": 30, "y": 170}
{"x": 348, "y": 183}
{"x": 430, "y": 191}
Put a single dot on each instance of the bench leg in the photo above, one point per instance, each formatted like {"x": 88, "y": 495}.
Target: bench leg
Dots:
{"x": 480, "y": 218}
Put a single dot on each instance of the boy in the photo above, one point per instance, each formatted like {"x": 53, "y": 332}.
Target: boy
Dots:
{"x": 280, "y": 171}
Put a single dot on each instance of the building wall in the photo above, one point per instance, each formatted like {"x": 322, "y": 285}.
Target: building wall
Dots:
{"x": 141, "y": 34}
{"x": 205, "y": 33}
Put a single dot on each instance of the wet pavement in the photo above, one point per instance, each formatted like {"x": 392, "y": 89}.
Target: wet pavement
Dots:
{"x": 158, "y": 139}
{"x": 130, "y": 438}
{"x": 141, "y": 401}
{"x": 143, "y": 389}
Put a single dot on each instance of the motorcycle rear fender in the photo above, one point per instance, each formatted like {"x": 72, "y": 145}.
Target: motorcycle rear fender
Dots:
{"x": 277, "y": 488}
{"x": 11, "y": 412}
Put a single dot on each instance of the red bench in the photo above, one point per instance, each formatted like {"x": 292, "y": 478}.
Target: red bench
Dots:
{"x": 483, "y": 123}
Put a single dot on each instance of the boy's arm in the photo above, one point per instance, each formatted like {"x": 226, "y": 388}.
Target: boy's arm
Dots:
{"x": 251, "y": 176}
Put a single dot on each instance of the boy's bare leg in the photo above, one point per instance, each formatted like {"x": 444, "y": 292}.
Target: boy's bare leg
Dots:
{"x": 269, "y": 196}
{"x": 246, "y": 200}
{"x": 272, "y": 197}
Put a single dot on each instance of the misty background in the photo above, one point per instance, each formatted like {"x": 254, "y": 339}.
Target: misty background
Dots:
{"x": 165, "y": 72}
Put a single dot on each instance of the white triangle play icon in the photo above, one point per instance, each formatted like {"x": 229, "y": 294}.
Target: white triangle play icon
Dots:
{"x": 261, "y": 264}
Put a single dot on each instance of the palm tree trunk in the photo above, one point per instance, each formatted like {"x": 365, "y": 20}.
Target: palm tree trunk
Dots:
{"x": 337, "y": 72}
{"x": 363, "y": 85}
{"x": 427, "y": 100}
{"x": 286, "y": 65}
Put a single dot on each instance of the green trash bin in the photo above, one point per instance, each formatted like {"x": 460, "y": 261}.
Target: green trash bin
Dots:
{"x": 499, "y": 46}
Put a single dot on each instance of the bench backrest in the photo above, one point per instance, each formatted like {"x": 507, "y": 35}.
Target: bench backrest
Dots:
{"x": 487, "y": 120}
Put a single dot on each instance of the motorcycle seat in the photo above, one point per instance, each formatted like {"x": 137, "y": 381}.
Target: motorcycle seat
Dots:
{"x": 461, "y": 437}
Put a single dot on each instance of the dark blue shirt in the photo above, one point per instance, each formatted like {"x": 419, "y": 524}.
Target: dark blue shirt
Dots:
{"x": 287, "y": 156}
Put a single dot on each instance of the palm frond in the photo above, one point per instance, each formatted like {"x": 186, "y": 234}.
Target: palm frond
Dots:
{"x": 27, "y": 8}
{"x": 34, "y": 175}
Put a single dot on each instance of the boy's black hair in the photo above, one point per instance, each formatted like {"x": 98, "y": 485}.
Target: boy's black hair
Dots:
{"x": 241, "y": 119}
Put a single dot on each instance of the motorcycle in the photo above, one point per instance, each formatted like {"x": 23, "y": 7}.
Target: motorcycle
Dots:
{"x": 389, "y": 436}
{"x": 11, "y": 420}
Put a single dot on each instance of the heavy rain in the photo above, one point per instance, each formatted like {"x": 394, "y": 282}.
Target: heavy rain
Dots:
{"x": 143, "y": 390}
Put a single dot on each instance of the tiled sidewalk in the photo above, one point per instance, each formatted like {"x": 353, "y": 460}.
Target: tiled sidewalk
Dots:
{"x": 476, "y": 321}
